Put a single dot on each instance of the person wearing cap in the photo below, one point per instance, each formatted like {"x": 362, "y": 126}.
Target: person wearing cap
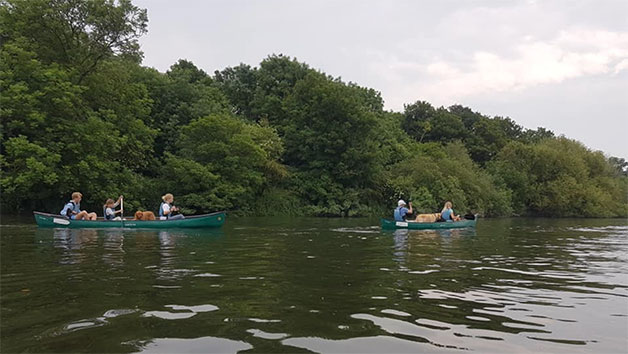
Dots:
{"x": 401, "y": 212}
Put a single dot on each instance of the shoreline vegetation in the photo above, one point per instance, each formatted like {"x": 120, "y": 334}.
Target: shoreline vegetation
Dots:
{"x": 79, "y": 112}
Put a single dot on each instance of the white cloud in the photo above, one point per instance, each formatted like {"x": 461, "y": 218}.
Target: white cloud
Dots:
{"x": 571, "y": 54}
{"x": 621, "y": 66}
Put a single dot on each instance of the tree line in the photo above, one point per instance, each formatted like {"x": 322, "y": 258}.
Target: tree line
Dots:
{"x": 79, "y": 112}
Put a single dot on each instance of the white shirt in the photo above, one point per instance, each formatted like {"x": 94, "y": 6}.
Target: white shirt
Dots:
{"x": 166, "y": 208}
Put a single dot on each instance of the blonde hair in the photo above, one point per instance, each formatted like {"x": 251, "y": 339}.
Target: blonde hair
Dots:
{"x": 447, "y": 205}
{"x": 76, "y": 195}
{"x": 109, "y": 201}
{"x": 167, "y": 197}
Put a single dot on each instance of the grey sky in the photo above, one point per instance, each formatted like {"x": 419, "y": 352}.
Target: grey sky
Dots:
{"x": 562, "y": 65}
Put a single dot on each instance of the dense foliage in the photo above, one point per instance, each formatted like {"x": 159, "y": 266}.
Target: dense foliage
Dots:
{"x": 79, "y": 112}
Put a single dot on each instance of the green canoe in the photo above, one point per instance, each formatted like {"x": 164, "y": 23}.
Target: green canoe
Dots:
{"x": 391, "y": 224}
{"x": 195, "y": 221}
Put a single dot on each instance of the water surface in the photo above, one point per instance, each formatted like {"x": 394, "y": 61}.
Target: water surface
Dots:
{"x": 317, "y": 285}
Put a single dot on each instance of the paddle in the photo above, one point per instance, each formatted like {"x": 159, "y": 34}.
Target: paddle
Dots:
{"x": 122, "y": 207}
{"x": 409, "y": 201}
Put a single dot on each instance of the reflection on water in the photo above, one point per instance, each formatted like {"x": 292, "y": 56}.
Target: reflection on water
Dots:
{"x": 194, "y": 345}
{"x": 71, "y": 242}
{"x": 321, "y": 285}
{"x": 113, "y": 248}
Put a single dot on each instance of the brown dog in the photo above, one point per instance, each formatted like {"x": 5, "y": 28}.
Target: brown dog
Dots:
{"x": 144, "y": 215}
{"x": 427, "y": 217}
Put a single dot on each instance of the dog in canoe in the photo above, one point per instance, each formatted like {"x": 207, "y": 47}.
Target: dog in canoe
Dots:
{"x": 427, "y": 217}
{"x": 144, "y": 215}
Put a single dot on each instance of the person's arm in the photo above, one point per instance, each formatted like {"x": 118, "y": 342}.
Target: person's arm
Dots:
{"x": 410, "y": 211}
{"x": 166, "y": 208}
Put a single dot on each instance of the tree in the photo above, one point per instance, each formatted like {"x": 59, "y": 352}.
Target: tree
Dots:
{"x": 418, "y": 118}
{"x": 435, "y": 174}
{"x": 536, "y": 136}
{"x": 239, "y": 84}
{"x": 276, "y": 77}
{"x": 89, "y": 136}
{"x": 619, "y": 165}
{"x": 222, "y": 163}
{"x": 78, "y": 35}
{"x": 183, "y": 94}
{"x": 560, "y": 177}
{"x": 425, "y": 123}
{"x": 29, "y": 173}
{"x": 330, "y": 137}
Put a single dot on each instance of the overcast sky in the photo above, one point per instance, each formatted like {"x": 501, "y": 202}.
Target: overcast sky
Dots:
{"x": 562, "y": 65}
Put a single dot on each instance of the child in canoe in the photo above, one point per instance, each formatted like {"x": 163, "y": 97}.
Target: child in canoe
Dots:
{"x": 109, "y": 209}
{"x": 167, "y": 209}
{"x": 72, "y": 210}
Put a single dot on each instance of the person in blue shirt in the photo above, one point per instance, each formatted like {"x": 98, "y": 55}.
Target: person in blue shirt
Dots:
{"x": 448, "y": 214}
{"x": 72, "y": 210}
{"x": 401, "y": 212}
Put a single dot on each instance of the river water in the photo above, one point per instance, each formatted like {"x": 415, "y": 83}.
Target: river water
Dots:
{"x": 317, "y": 285}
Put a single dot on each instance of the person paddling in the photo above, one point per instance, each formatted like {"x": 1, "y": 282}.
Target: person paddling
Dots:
{"x": 166, "y": 209}
{"x": 72, "y": 210}
{"x": 109, "y": 209}
{"x": 401, "y": 212}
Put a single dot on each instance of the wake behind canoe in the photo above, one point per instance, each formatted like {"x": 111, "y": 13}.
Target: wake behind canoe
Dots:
{"x": 391, "y": 224}
{"x": 196, "y": 221}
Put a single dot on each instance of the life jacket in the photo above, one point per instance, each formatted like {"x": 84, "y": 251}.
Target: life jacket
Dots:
{"x": 75, "y": 207}
{"x": 161, "y": 210}
{"x": 446, "y": 215}
{"x": 104, "y": 212}
{"x": 398, "y": 216}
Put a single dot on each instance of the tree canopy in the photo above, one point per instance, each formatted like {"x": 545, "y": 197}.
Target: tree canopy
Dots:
{"x": 78, "y": 111}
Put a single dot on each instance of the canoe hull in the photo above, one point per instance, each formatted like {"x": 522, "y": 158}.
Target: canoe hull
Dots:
{"x": 197, "y": 221}
{"x": 391, "y": 225}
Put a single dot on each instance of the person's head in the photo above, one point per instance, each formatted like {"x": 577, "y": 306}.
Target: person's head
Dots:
{"x": 448, "y": 205}
{"x": 76, "y": 197}
{"x": 401, "y": 203}
{"x": 109, "y": 203}
{"x": 168, "y": 198}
